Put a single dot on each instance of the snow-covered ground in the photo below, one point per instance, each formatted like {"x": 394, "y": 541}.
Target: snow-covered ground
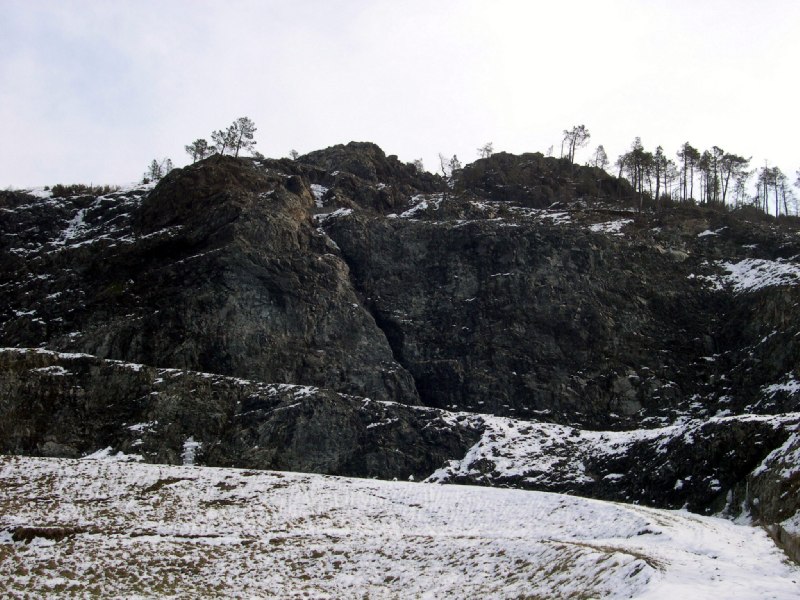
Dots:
{"x": 129, "y": 530}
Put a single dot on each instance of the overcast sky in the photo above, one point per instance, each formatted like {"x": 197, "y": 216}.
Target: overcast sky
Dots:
{"x": 91, "y": 91}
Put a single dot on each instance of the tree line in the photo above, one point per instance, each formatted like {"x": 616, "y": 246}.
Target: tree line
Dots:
{"x": 712, "y": 176}
{"x": 238, "y": 137}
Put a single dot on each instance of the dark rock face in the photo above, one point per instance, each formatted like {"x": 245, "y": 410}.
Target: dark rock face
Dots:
{"x": 527, "y": 290}
{"x": 70, "y": 405}
{"x": 525, "y": 317}
{"x": 224, "y": 272}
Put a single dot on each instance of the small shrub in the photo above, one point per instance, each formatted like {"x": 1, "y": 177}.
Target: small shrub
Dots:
{"x": 80, "y": 189}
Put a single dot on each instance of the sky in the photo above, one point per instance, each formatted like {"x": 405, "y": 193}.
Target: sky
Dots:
{"x": 91, "y": 91}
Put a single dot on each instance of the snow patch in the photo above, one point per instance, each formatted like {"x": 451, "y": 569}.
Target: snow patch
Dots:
{"x": 421, "y": 203}
{"x": 189, "y": 454}
{"x": 108, "y": 454}
{"x": 613, "y": 227}
{"x": 337, "y": 214}
{"x": 790, "y": 386}
{"x": 54, "y": 370}
{"x": 318, "y": 191}
{"x": 752, "y": 274}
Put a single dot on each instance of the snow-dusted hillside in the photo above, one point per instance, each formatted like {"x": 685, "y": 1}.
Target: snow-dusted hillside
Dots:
{"x": 90, "y": 527}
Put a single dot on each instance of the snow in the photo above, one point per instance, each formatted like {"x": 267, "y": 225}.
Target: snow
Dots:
{"x": 107, "y": 219}
{"x": 190, "y": 448}
{"x": 789, "y": 386}
{"x": 128, "y": 530}
{"x": 143, "y": 427}
{"x": 524, "y": 213}
{"x": 787, "y": 455}
{"x": 753, "y": 274}
{"x": 38, "y": 192}
{"x": 420, "y": 204}
{"x": 614, "y": 227}
{"x": 792, "y": 525}
{"x": 74, "y": 228}
{"x": 60, "y": 355}
{"x": 709, "y": 232}
{"x": 108, "y": 454}
{"x": 54, "y": 370}
{"x": 341, "y": 212}
{"x": 318, "y": 191}
{"x": 548, "y": 453}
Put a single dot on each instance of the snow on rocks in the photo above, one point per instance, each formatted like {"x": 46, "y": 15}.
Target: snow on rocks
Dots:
{"x": 754, "y": 274}
{"x": 337, "y": 214}
{"x": 612, "y": 227}
{"x": 537, "y": 455}
{"x": 319, "y": 192}
{"x": 420, "y": 204}
{"x": 128, "y": 530}
{"x": 790, "y": 386}
{"x": 709, "y": 232}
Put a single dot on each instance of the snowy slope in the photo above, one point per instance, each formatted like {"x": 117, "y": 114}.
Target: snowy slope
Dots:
{"x": 132, "y": 530}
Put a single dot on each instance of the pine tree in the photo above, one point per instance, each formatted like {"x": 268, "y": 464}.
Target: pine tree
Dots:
{"x": 199, "y": 149}
{"x": 600, "y": 159}
{"x": 575, "y": 138}
{"x": 224, "y": 139}
{"x": 242, "y": 132}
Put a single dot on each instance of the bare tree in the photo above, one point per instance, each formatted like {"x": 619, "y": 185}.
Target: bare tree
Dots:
{"x": 294, "y": 154}
{"x": 486, "y": 150}
{"x": 450, "y": 167}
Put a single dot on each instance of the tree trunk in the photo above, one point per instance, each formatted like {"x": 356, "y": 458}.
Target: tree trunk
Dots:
{"x": 658, "y": 185}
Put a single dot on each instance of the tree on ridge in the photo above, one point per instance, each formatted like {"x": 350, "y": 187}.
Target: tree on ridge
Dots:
{"x": 575, "y": 138}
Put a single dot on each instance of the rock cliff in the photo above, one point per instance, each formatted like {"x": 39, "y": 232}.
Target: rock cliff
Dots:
{"x": 343, "y": 313}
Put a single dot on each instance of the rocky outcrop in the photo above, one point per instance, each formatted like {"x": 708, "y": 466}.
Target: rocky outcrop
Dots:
{"x": 222, "y": 270}
{"x": 355, "y": 316}
{"x": 537, "y": 181}
{"x": 72, "y": 405}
